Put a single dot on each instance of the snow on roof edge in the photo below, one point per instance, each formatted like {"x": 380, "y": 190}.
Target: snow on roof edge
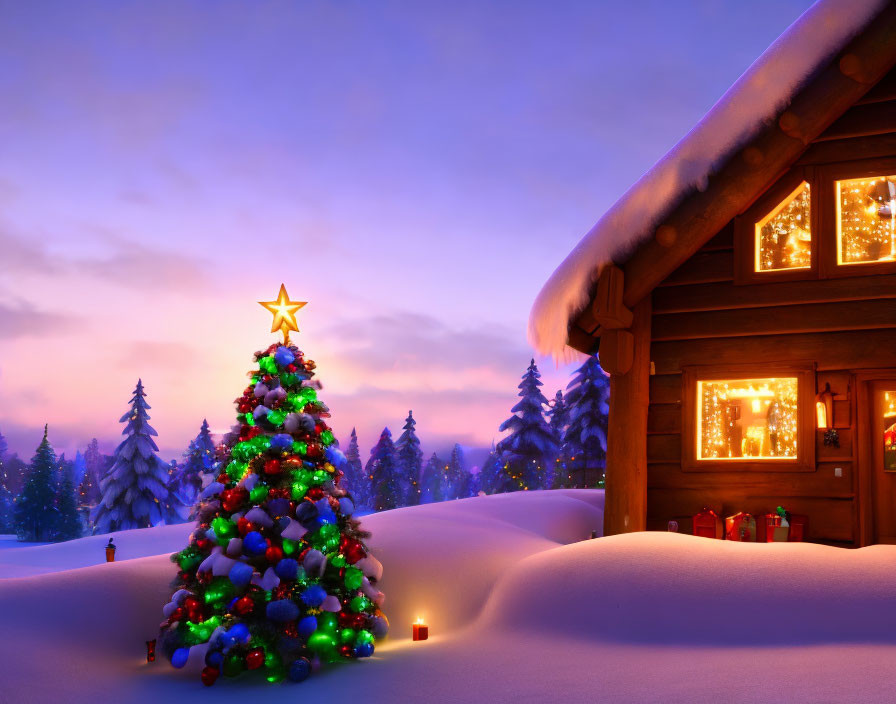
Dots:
{"x": 764, "y": 89}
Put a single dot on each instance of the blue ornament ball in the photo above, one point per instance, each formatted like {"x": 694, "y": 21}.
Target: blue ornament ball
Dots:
{"x": 179, "y": 657}
{"x": 284, "y": 357}
{"x": 287, "y": 568}
{"x": 214, "y": 658}
{"x": 239, "y": 631}
{"x": 282, "y": 611}
{"x": 254, "y": 543}
{"x": 307, "y": 626}
{"x": 364, "y": 650}
{"x": 314, "y": 595}
{"x": 241, "y": 573}
{"x": 299, "y": 670}
{"x": 281, "y": 441}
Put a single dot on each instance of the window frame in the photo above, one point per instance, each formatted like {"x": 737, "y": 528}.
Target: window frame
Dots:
{"x": 745, "y": 231}
{"x": 806, "y": 435}
{"x": 827, "y": 177}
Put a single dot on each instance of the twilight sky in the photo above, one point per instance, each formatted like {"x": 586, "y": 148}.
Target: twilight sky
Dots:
{"x": 415, "y": 170}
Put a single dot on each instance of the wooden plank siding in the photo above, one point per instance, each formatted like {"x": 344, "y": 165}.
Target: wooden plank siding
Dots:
{"x": 843, "y": 325}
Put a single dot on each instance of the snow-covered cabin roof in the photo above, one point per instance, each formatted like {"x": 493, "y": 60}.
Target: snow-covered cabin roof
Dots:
{"x": 754, "y": 100}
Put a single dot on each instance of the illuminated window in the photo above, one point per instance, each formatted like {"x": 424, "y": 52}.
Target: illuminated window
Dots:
{"x": 866, "y": 220}
{"x": 783, "y": 237}
{"x": 890, "y": 431}
{"x": 747, "y": 419}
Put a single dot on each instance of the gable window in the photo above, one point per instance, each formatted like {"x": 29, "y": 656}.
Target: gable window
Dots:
{"x": 783, "y": 237}
{"x": 757, "y": 417}
{"x": 866, "y": 220}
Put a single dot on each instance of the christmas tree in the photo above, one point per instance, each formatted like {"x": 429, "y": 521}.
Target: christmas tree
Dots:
{"x": 198, "y": 460}
{"x": 431, "y": 480}
{"x": 135, "y": 491}
{"x": 386, "y": 486}
{"x": 355, "y": 480}
{"x": 276, "y": 577}
{"x": 410, "y": 460}
{"x": 530, "y": 448}
{"x": 492, "y": 477}
{"x": 36, "y": 517}
{"x": 588, "y": 398}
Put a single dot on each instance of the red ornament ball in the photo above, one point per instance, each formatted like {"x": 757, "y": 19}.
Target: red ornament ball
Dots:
{"x": 272, "y": 467}
{"x": 255, "y": 658}
{"x": 273, "y": 554}
{"x": 244, "y": 605}
{"x": 209, "y": 675}
{"x": 315, "y": 493}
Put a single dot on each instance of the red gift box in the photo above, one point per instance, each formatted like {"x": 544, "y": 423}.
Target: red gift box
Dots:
{"x": 799, "y": 528}
{"x": 707, "y": 524}
{"x": 769, "y": 529}
{"x": 740, "y": 527}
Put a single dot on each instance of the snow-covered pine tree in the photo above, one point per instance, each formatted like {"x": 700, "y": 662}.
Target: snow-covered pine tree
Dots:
{"x": 134, "y": 491}
{"x": 355, "y": 480}
{"x": 89, "y": 488}
{"x": 36, "y": 517}
{"x": 431, "y": 480}
{"x": 530, "y": 448}
{"x": 387, "y": 489}
{"x": 199, "y": 459}
{"x": 454, "y": 480}
{"x": 68, "y": 521}
{"x": 588, "y": 398}
{"x": 410, "y": 460}
{"x": 558, "y": 415}
{"x": 7, "y": 500}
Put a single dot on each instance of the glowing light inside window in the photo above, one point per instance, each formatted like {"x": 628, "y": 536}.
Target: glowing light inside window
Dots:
{"x": 784, "y": 237}
{"x": 747, "y": 419}
{"x": 866, "y": 220}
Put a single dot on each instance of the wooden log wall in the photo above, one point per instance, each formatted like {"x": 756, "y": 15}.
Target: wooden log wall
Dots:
{"x": 701, "y": 317}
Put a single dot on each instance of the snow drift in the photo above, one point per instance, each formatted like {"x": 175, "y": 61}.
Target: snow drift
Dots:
{"x": 522, "y": 608}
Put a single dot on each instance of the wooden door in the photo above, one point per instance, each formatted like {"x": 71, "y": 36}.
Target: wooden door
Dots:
{"x": 882, "y": 456}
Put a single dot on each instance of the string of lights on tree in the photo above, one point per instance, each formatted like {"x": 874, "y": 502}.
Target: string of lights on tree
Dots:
{"x": 276, "y": 577}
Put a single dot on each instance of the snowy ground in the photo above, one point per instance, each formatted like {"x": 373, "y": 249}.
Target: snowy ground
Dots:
{"x": 521, "y": 609}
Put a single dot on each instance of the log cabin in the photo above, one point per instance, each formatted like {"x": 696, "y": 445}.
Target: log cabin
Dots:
{"x": 742, "y": 297}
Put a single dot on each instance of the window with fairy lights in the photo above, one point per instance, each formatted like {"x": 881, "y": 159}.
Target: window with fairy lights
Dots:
{"x": 748, "y": 417}
{"x": 783, "y": 238}
{"x": 866, "y": 219}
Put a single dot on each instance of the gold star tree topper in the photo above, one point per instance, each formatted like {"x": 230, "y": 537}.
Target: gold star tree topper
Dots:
{"x": 284, "y": 311}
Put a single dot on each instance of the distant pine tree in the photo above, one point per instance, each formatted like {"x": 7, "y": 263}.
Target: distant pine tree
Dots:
{"x": 410, "y": 460}
{"x": 472, "y": 485}
{"x": 588, "y": 398}
{"x": 79, "y": 468}
{"x": 558, "y": 415}
{"x": 431, "y": 481}
{"x": 454, "y": 480}
{"x": 492, "y": 477}
{"x": 355, "y": 481}
{"x": 36, "y": 516}
{"x": 7, "y": 511}
{"x": 388, "y": 490}
{"x": 530, "y": 448}
{"x": 68, "y": 524}
{"x": 199, "y": 459}
{"x": 135, "y": 490}
{"x": 89, "y": 488}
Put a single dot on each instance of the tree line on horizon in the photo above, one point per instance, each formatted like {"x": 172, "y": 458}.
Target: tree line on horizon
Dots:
{"x": 559, "y": 443}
